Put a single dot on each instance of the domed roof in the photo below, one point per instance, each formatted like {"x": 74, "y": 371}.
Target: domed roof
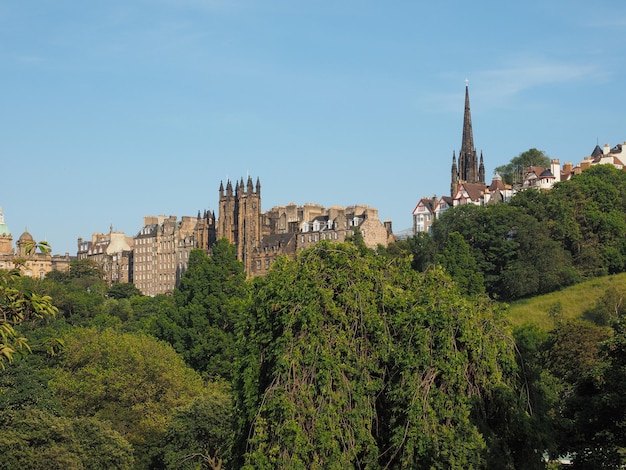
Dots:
{"x": 26, "y": 237}
{"x": 4, "y": 230}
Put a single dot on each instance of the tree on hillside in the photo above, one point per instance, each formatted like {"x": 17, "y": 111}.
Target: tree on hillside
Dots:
{"x": 514, "y": 171}
{"x": 349, "y": 359}
{"x": 588, "y": 216}
{"x": 457, "y": 260}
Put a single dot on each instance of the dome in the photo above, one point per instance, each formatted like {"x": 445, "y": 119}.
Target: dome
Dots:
{"x": 26, "y": 237}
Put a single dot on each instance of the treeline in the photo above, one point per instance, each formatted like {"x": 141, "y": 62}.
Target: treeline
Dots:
{"x": 345, "y": 357}
{"x": 538, "y": 243}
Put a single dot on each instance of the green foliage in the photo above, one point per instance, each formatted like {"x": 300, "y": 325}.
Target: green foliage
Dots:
{"x": 457, "y": 260}
{"x": 123, "y": 290}
{"x": 130, "y": 380}
{"x": 209, "y": 299}
{"x": 593, "y": 412}
{"x": 607, "y": 308}
{"x": 514, "y": 171}
{"x": 201, "y": 435}
{"x": 18, "y": 304}
{"x": 423, "y": 248}
{"x": 352, "y": 360}
{"x": 33, "y": 439}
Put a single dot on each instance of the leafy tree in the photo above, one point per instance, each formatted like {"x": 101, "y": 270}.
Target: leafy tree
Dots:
{"x": 209, "y": 300}
{"x": 593, "y": 412}
{"x": 130, "y": 380}
{"x": 352, "y": 360}
{"x": 123, "y": 290}
{"x": 201, "y": 435}
{"x": 457, "y": 260}
{"x": 607, "y": 308}
{"x": 18, "y": 305}
{"x": 424, "y": 250}
{"x": 34, "y": 439}
{"x": 514, "y": 171}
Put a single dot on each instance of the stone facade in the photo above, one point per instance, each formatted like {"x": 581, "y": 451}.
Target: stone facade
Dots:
{"x": 162, "y": 247}
{"x": 32, "y": 264}
{"x": 469, "y": 170}
{"x": 261, "y": 237}
{"x": 112, "y": 252}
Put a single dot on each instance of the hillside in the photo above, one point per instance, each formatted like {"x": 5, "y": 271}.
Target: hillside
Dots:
{"x": 574, "y": 301}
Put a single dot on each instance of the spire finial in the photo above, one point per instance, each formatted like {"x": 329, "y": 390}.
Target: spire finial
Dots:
{"x": 466, "y": 82}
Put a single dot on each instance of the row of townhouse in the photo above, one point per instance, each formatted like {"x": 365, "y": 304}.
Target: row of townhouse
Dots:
{"x": 428, "y": 210}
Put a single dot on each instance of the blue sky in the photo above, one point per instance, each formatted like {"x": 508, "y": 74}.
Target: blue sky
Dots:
{"x": 115, "y": 110}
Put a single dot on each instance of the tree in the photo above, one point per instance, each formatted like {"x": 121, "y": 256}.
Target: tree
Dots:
{"x": 457, "y": 260}
{"x": 593, "y": 411}
{"x": 123, "y": 290}
{"x": 19, "y": 305}
{"x": 34, "y": 439}
{"x": 201, "y": 435}
{"x": 133, "y": 381}
{"x": 514, "y": 171}
{"x": 208, "y": 300}
{"x": 352, "y": 360}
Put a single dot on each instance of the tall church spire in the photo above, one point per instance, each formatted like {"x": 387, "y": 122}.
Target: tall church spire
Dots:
{"x": 468, "y": 169}
{"x": 467, "y": 142}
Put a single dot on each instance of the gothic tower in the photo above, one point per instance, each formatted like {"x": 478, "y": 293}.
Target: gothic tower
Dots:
{"x": 240, "y": 218}
{"x": 205, "y": 231}
{"x": 468, "y": 169}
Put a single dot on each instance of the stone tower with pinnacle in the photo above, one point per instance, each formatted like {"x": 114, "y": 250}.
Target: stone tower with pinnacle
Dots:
{"x": 469, "y": 169}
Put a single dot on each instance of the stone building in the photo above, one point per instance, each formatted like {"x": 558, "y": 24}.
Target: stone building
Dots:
{"x": 31, "y": 263}
{"x": 261, "y": 237}
{"x": 469, "y": 170}
{"x": 112, "y": 252}
{"x": 162, "y": 247}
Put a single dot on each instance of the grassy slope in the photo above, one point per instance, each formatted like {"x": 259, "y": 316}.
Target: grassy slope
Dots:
{"x": 574, "y": 301}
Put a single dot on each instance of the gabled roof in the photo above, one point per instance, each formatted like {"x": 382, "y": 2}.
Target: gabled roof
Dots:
{"x": 474, "y": 190}
{"x": 428, "y": 203}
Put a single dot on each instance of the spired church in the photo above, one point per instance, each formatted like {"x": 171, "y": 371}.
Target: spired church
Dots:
{"x": 469, "y": 169}
{"x": 467, "y": 182}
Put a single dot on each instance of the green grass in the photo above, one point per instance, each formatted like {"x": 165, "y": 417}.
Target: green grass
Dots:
{"x": 573, "y": 300}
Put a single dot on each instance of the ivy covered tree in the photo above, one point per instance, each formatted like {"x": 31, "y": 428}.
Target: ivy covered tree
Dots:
{"x": 350, "y": 359}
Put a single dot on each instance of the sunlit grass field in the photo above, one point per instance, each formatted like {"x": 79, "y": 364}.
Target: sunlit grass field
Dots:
{"x": 573, "y": 301}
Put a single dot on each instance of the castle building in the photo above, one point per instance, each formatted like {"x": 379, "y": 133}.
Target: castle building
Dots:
{"x": 261, "y": 237}
{"x": 469, "y": 169}
{"x": 30, "y": 262}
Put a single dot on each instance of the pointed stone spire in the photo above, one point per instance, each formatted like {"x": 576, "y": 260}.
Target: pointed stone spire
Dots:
{"x": 258, "y": 186}
{"x": 454, "y": 175}
{"x": 467, "y": 142}
{"x": 468, "y": 162}
{"x": 481, "y": 169}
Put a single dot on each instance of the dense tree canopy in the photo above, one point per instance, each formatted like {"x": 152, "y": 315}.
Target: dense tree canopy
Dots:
{"x": 350, "y": 360}
{"x": 209, "y": 300}
{"x": 130, "y": 380}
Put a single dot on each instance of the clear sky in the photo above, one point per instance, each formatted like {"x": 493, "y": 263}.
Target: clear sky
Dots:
{"x": 118, "y": 109}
